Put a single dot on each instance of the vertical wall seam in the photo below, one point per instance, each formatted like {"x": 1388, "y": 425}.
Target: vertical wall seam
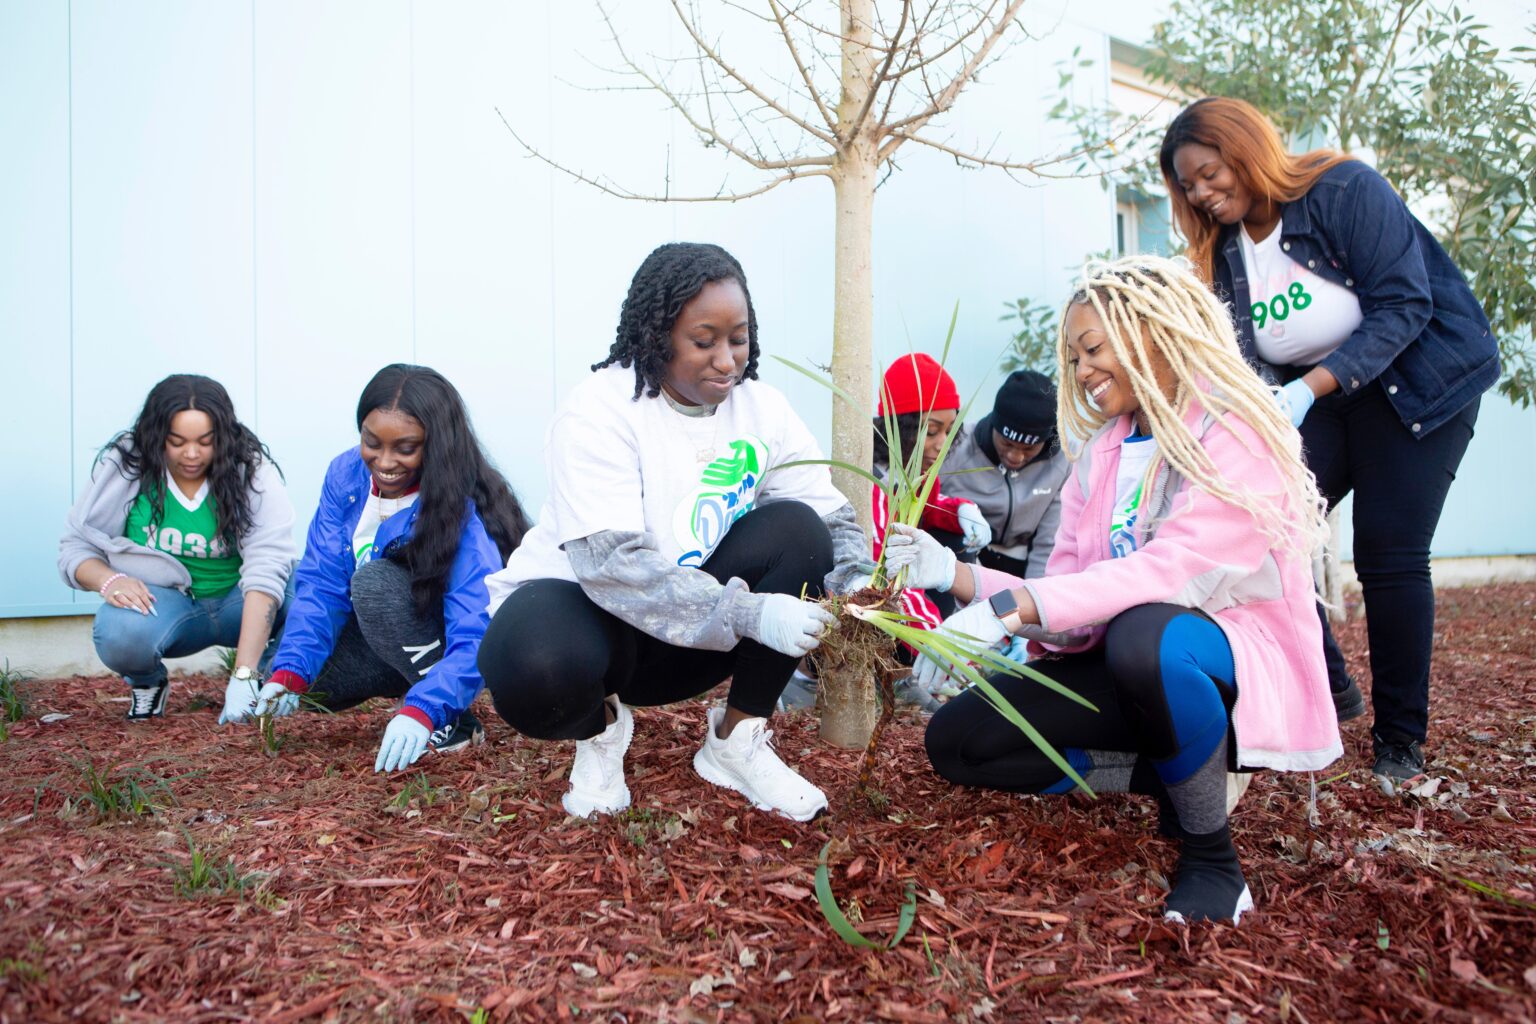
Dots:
{"x": 255, "y": 250}
{"x": 411, "y": 121}
{"x": 69, "y": 149}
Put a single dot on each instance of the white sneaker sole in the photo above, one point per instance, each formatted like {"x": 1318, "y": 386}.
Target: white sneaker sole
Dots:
{"x": 605, "y": 803}
{"x": 1244, "y": 904}
{"x": 709, "y": 771}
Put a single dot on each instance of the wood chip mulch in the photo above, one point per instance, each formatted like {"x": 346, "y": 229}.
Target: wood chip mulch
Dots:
{"x": 463, "y": 892}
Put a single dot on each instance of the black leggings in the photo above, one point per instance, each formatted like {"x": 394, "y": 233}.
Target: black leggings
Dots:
{"x": 384, "y": 646}
{"x": 1358, "y": 443}
{"x": 1163, "y": 685}
{"x": 551, "y": 656}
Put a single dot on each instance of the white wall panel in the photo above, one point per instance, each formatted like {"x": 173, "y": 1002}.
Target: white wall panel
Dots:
{"x": 482, "y": 224}
{"x": 333, "y": 220}
{"x": 34, "y": 298}
{"x": 162, "y": 212}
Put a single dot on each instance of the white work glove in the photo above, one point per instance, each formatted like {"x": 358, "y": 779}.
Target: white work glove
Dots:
{"x": 1296, "y": 398}
{"x": 929, "y": 564}
{"x": 973, "y": 526}
{"x": 275, "y": 699}
{"x": 791, "y": 626}
{"x": 405, "y": 739}
{"x": 239, "y": 698}
{"x": 977, "y": 623}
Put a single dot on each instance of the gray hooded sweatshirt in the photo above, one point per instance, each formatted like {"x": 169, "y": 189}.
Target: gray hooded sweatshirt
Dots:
{"x": 95, "y": 530}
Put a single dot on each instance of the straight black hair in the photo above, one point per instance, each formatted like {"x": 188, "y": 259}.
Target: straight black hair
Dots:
{"x": 454, "y": 472}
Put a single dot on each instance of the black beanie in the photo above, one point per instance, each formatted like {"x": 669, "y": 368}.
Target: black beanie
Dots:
{"x": 1025, "y": 409}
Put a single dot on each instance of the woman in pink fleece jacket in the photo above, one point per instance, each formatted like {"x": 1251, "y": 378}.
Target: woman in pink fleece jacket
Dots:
{"x": 1179, "y": 598}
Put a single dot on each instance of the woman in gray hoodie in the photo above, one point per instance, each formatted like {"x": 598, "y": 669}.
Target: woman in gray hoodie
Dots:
{"x": 186, "y": 531}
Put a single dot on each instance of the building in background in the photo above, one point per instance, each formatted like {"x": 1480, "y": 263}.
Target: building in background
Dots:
{"x": 286, "y": 196}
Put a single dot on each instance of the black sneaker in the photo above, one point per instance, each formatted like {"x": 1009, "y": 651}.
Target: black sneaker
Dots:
{"x": 146, "y": 702}
{"x": 464, "y": 731}
{"x": 1208, "y": 884}
{"x": 1349, "y": 702}
{"x": 1398, "y": 765}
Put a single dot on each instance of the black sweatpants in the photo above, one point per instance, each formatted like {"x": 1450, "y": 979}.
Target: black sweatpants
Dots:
{"x": 384, "y": 646}
{"x": 551, "y": 656}
{"x": 1358, "y": 443}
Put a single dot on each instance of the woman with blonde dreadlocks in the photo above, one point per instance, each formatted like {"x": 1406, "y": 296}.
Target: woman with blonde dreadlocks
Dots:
{"x": 1178, "y": 599}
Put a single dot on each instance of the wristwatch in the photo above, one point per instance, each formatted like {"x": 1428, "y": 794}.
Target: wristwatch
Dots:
{"x": 1006, "y": 607}
{"x": 246, "y": 674}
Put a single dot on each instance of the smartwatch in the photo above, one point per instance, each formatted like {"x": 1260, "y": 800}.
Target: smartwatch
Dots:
{"x": 1006, "y": 606}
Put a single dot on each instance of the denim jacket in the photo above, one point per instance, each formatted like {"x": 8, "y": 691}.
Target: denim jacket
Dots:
{"x": 1423, "y": 332}
{"x": 323, "y": 584}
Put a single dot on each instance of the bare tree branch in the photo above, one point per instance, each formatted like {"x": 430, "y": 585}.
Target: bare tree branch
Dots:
{"x": 946, "y": 96}
{"x": 736, "y": 76}
{"x": 805, "y": 75}
{"x": 793, "y": 173}
{"x": 874, "y": 86}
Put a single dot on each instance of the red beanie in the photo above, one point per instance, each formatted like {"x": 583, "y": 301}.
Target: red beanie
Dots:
{"x": 917, "y": 383}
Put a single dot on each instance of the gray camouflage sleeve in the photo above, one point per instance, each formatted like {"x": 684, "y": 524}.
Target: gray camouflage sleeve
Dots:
{"x": 624, "y": 574}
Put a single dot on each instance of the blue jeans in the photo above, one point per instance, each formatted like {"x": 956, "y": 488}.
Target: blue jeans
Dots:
{"x": 135, "y": 645}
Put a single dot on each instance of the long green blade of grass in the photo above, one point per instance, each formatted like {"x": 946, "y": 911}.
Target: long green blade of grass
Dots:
{"x": 840, "y": 923}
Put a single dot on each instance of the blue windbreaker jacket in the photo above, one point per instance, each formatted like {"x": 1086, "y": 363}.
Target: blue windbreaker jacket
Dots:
{"x": 1424, "y": 335}
{"x": 322, "y": 584}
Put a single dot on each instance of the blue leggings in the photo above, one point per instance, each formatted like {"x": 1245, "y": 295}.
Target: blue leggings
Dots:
{"x": 1162, "y": 681}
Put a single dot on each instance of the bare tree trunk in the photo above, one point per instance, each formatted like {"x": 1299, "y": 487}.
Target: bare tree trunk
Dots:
{"x": 853, "y": 178}
{"x": 848, "y": 695}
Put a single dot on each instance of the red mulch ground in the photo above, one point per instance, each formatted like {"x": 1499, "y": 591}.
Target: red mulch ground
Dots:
{"x": 481, "y": 895}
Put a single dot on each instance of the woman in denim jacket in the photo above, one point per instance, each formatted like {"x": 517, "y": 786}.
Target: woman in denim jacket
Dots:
{"x": 1346, "y": 301}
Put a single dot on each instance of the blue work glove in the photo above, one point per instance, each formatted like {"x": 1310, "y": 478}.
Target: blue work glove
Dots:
{"x": 978, "y": 623}
{"x": 929, "y": 564}
{"x": 405, "y": 739}
{"x": 1017, "y": 649}
{"x": 239, "y": 698}
{"x": 974, "y": 527}
{"x": 791, "y": 626}
{"x": 1296, "y": 398}
{"x": 277, "y": 700}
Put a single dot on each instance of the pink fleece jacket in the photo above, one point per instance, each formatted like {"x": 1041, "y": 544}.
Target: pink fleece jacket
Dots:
{"x": 1205, "y": 554}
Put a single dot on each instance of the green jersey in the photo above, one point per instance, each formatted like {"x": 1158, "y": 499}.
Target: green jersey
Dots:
{"x": 187, "y": 531}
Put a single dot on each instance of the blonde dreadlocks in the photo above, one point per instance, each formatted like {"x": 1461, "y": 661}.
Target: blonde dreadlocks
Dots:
{"x": 1157, "y": 309}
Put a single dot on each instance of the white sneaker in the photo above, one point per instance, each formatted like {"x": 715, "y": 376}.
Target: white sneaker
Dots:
{"x": 597, "y": 777}
{"x": 747, "y": 763}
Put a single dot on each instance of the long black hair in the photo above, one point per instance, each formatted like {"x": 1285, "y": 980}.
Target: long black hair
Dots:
{"x": 454, "y": 470}
{"x": 666, "y": 282}
{"x": 237, "y": 453}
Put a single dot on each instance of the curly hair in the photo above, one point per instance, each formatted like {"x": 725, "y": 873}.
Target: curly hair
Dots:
{"x": 667, "y": 281}
{"x": 454, "y": 472}
{"x": 237, "y": 453}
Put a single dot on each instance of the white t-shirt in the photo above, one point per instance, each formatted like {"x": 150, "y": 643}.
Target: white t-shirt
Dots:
{"x": 1299, "y": 318}
{"x": 1136, "y": 454}
{"x": 617, "y": 463}
{"x": 375, "y": 511}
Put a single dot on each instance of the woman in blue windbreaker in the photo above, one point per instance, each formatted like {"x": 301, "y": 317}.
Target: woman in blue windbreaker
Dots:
{"x": 390, "y": 597}
{"x": 1383, "y": 353}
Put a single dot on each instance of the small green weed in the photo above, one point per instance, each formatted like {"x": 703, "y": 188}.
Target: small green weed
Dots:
{"x": 133, "y": 793}
{"x": 21, "y": 970}
{"x": 418, "y": 790}
{"x": 203, "y": 875}
{"x": 12, "y": 707}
